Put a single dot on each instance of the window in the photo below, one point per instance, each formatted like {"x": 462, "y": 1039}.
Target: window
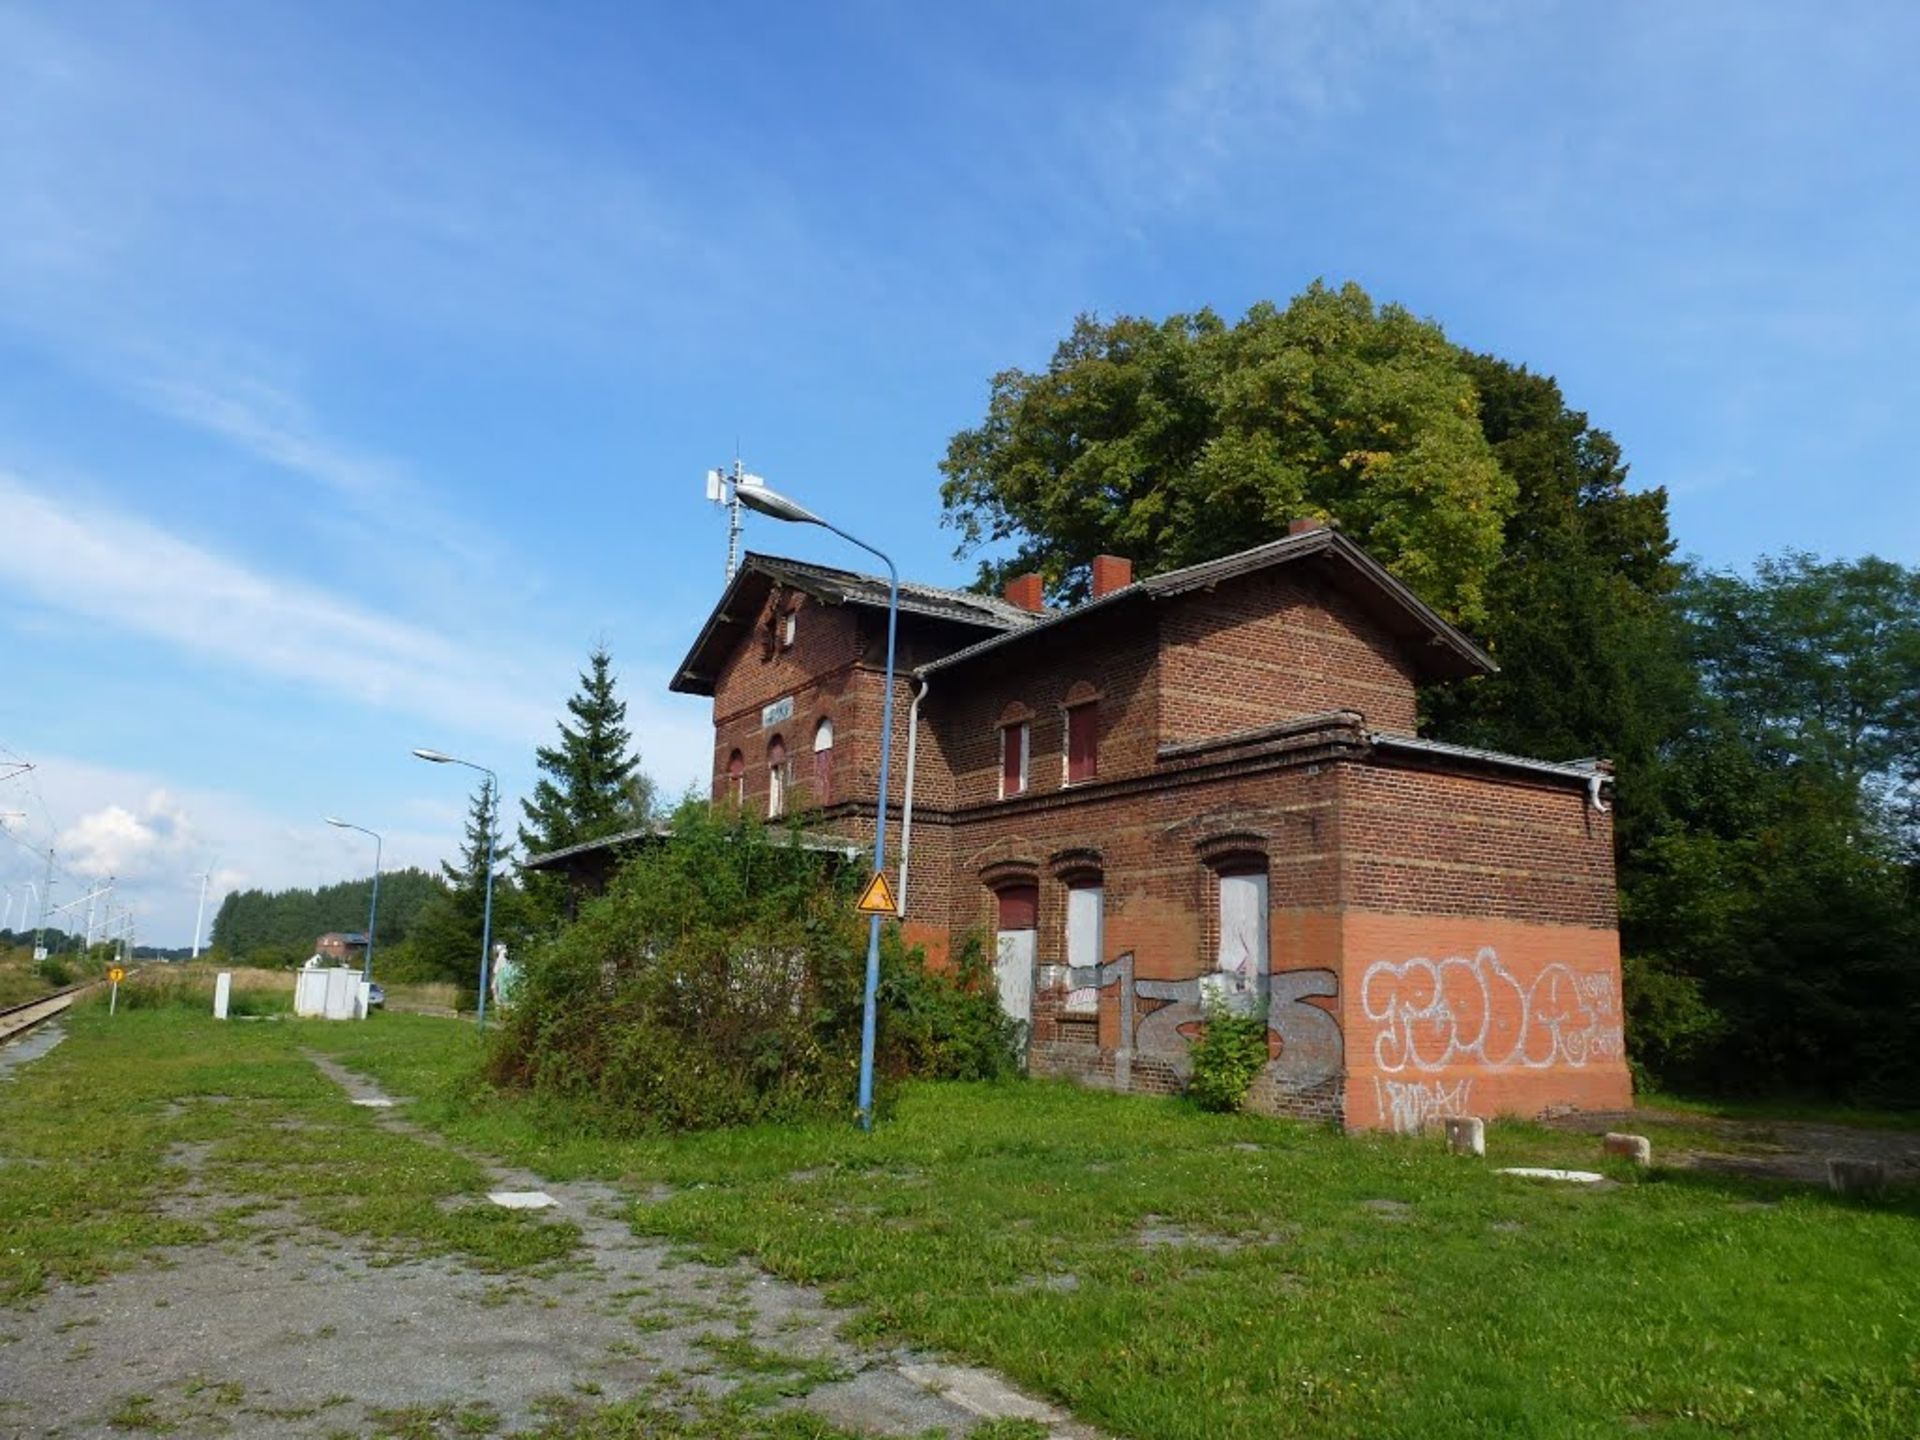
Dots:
{"x": 1015, "y": 743}
{"x": 1086, "y": 923}
{"x": 1242, "y": 967}
{"x": 1083, "y": 743}
{"x": 823, "y": 762}
{"x": 776, "y": 777}
{"x": 737, "y": 777}
{"x": 789, "y": 627}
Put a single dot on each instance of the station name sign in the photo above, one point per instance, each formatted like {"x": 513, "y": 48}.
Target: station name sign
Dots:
{"x": 773, "y": 714}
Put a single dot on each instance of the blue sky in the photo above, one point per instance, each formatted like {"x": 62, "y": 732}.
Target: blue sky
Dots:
{"x": 359, "y": 363}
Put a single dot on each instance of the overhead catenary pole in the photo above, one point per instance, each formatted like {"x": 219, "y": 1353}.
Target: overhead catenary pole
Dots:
{"x": 200, "y": 913}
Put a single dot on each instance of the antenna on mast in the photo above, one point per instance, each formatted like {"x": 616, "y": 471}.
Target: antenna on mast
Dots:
{"x": 723, "y": 488}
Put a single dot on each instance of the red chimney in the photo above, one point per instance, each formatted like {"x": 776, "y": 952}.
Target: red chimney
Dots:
{"x": 1110, "y": 573}
{"x": 1304, "y": 524}
{"x": 1028, "y": 592}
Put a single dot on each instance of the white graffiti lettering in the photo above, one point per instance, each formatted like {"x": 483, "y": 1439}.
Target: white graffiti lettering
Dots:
{"x": 1407, "y": 1105}
{"x": 1436, "y": 1014}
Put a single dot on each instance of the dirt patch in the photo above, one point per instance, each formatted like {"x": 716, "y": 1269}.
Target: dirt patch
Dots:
{"x": 1756, "y": 1149}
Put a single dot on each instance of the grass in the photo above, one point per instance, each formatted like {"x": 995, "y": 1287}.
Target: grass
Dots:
{"x": 160, "y": 1127}
{"x": 1236, "y": 1276}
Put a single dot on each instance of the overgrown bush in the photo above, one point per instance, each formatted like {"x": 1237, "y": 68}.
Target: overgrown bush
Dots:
{"x": 944, "y": 1024}
{"x": 718, "y": 981}
{"x": 1227, "y": 1057}
{"x": 55, "y": 971}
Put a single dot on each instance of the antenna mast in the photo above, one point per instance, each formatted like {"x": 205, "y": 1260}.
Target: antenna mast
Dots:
{"x": 723, "y": 488}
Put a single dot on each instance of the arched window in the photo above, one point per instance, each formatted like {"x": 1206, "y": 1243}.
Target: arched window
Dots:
{"x": 823, "y": 762}
{"x": 776, "y": 777}
{"x": 737, "y": 777}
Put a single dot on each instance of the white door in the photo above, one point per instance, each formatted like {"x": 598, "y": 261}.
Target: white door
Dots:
{"x": 1086, "y": 915}
{"x": 1243, "y": 938}
{"x": 1013, "y": 968}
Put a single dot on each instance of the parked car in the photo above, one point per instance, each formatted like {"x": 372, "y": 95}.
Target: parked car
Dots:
{"x": 376, "y": 995}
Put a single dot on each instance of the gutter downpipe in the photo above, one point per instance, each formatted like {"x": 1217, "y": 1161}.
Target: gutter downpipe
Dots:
{"x": 906, "y": 802}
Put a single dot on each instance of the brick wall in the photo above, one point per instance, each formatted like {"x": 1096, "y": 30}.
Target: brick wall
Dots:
{"x": 1386, "y": 873}
{"x": 1273, "y": 644}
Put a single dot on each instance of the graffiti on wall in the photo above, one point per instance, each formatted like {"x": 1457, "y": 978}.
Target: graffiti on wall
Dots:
{"x": 1438, "y": 1014}
{"x": 1308, "y": 1038}
{"x": 1407, "y": 1105}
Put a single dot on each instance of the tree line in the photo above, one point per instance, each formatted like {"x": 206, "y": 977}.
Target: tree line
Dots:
{"x": 279, "y": 927}
{"x": 1765, "y": 722}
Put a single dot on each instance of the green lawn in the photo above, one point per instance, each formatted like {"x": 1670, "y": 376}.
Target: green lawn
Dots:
{"x": 1161, "y": 1272}
{"x": 1172, "y": 1274}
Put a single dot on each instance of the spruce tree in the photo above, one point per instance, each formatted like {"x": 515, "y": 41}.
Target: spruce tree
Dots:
{"x": 446, "y": 937}
{"x": 591, "y": 784}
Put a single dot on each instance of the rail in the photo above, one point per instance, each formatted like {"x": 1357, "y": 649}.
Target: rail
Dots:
{"x": 16, "y": 1020}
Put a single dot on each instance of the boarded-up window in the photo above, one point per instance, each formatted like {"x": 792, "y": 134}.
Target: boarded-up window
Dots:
{"x": 1086, "y": 921}
{"x": 1014, "y": 741}
{"x": 823, "y": 762}
{"x": 777, "y": 777}
{"x": 1083, "y": 743}
{"x": 736, "y": 777}
{"x": 1019, "y": 907}
{"x": 1243, "y": 931}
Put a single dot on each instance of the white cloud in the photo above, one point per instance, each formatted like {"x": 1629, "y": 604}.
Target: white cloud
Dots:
{"x": 155, "y": 840}
{"x": 146, "y": 580}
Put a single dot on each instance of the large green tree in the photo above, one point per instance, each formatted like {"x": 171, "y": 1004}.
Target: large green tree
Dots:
{"x": 1771, "y": 921}
{"x": 1175, "y": 441}
{"x": 1580, "y": 611}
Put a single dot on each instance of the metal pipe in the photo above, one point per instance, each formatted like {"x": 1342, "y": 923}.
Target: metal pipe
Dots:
{"x": 906, "y": 802}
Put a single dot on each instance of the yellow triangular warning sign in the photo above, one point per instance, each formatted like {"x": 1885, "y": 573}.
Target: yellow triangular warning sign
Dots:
{"x": 877, "y": 898}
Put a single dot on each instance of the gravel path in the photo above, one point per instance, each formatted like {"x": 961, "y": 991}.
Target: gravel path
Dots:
{"x": 291, "y": 1331}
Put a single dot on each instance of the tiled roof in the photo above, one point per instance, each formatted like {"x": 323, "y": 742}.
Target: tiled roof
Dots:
{"x": 1411, "y": 613}
{"x": 853, "y": 587}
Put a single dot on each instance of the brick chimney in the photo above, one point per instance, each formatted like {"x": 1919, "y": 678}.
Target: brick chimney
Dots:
{"x": 1028, "y": 592}
{"x": 1305, "y": 523}
{"x": 1110, "y": 573}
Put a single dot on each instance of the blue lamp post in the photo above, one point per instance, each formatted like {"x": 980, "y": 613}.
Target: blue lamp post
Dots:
{"x": 493, "y": 816}
{"x": 373, "y": 910}
{"x": 779, "y": 507}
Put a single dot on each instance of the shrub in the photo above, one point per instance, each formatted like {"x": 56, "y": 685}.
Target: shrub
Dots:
{"x": 944, "y": 1024}
{"x": 716, "y": 981}
{"x": 55, "y": 971}
{"x": 1229, "y": 1054}
{"x": 719, "y": 981}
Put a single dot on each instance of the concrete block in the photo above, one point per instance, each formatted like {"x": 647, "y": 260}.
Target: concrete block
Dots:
{"x": 1467, "y": 1135}
{"x": 1855, "y": 1177}
{"x": 222, "y": 993}
{"x": 1636, "y": 1148}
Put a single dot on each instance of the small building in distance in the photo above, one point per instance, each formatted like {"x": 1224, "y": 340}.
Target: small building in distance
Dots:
{"x": 341, "y": 948}
{"x": 1202, "y": 787}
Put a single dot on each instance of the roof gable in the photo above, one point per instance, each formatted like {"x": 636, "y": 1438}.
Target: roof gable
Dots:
{"x": 740, "y": 604}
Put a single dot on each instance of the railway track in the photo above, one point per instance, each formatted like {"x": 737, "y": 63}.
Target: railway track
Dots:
{"x": 17, "y": 1020}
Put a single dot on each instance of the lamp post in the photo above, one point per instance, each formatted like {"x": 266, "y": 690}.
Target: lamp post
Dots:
{"x": 779, "y": 507}
{"x": 373, "y": 910}
{"x": 486, "y": 922}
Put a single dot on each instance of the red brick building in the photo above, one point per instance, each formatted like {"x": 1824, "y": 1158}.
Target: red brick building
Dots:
{"x": 1203, "y": 784}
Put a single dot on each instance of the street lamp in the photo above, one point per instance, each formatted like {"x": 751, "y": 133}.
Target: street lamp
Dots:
{"x": 779, "y": 507}
{"x": 486, "y": 923}
{"x": 373, "y": 910}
